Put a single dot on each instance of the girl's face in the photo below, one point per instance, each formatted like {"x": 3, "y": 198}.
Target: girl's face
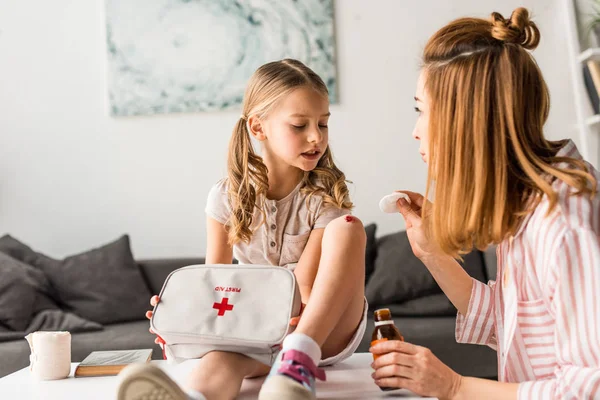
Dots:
{"x": 294, "y": 133}
{"x": 421, "y": 130}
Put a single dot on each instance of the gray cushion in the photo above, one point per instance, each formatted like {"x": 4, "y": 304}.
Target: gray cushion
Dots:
{"x": 103, "y": 284}
{"x": 51, "y": 320}
{"x": 45, "y": 293}
{"x": 20, "y": 251}
{"x": 399, "y": 276}
{"x": 59, "y": 320}
{"x": 7, "y": 334}
{"x": 370, "y": 251}
{"x": 17, "y": 294}
{"x": 156, "y": 271}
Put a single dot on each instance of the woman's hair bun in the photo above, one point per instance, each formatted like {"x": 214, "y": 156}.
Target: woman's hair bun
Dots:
{"x": 518, "y": 29}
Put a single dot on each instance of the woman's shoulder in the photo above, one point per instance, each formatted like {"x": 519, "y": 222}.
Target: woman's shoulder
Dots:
{"x": 578, "y": 211}
{"x": 572, "y": 212}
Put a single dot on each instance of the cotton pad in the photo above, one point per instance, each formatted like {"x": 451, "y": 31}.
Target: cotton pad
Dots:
{"x": 388, "y": 203}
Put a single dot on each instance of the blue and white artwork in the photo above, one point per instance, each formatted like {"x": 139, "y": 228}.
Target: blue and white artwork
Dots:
{"x": 167, "y": 56}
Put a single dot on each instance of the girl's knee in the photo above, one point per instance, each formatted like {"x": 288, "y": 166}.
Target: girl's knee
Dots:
{"x": 346, "y": 226}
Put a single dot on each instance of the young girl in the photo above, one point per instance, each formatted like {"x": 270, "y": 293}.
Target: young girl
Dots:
{"x": 482, "y": 104}
{"x": 288, "y": 208}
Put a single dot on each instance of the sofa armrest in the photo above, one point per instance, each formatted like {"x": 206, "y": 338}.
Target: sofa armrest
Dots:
{"x": 156, "y": 271}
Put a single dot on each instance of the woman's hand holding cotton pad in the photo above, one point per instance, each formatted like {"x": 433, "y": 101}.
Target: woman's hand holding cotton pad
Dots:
{"x": 388, "y": 203}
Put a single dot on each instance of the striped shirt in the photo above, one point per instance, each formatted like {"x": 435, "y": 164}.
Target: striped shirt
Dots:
{"x": 542, "y": 314}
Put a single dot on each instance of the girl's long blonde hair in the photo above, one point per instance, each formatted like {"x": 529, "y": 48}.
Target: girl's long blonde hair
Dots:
{"x": 490, "y": 163}
{"x": 247, "y": 174}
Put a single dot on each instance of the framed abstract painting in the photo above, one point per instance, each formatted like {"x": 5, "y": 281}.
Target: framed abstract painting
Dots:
{"x": 172, "y": 56}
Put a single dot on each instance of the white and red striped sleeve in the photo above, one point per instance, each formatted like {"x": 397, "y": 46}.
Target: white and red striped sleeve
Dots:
{"x": 576, "y": 305}
{"x": 478, "y": 325}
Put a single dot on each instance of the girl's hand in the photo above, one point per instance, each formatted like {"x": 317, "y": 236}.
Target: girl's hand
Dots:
{"x": 295, "y": 320}
{"x": 153, "y": 302}
{"x": 407, "y": 366}
{"x": 420, "y": 243}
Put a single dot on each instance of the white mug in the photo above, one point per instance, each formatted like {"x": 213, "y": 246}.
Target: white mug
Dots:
{"x": 50, "y": 354}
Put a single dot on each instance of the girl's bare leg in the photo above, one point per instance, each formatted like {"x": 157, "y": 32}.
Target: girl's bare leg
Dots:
{"x": 336, "y": 302}
{"x": 219, "y": 375}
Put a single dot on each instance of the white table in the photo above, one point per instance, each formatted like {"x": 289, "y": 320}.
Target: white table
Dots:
{"x": 350, "y": 379}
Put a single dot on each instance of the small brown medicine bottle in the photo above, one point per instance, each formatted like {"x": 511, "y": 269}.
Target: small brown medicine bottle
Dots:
{"x": 384, "y": 330}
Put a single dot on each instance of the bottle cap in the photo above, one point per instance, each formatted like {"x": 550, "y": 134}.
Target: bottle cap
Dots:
{"x": 383, "y": 314}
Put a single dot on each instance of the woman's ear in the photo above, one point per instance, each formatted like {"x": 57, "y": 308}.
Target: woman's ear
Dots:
{"x": 255, "y": 127}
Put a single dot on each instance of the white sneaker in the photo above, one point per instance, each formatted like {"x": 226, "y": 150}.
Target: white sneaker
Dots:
{"x": 148, "y": 382}
{"x": 292, "y": 377}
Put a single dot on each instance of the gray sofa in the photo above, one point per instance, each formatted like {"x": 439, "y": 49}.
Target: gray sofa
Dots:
{"x": 433, "y": 331}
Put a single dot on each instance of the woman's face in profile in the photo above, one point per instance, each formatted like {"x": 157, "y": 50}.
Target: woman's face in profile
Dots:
{"x": 420, "y": 131}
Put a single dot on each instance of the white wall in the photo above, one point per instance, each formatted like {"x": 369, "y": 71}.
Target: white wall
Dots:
{"x": 71, "y": 177}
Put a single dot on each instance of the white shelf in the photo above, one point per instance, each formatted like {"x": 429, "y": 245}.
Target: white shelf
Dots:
{"x": 593, "y": 120}
{"x": 589, "y": 126}
{"x": 590, "y": 54}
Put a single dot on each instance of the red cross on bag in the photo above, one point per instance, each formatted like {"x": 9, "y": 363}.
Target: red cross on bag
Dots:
{"x": 223, "y": 306}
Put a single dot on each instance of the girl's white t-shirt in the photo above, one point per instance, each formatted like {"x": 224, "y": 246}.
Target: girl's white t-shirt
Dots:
{"x": 281, "y": 239}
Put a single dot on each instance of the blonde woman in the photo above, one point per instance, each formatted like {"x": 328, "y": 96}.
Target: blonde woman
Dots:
{"x": 288, "y": 208}
{"x": 495, "y": 179}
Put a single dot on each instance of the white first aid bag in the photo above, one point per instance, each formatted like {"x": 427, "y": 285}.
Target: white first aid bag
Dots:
{"x": 236, "y": 308}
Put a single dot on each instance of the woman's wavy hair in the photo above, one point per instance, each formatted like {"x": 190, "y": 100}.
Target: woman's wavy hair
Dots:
{"x": 247, "y": 181}
{"x": 490, "y": 163}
